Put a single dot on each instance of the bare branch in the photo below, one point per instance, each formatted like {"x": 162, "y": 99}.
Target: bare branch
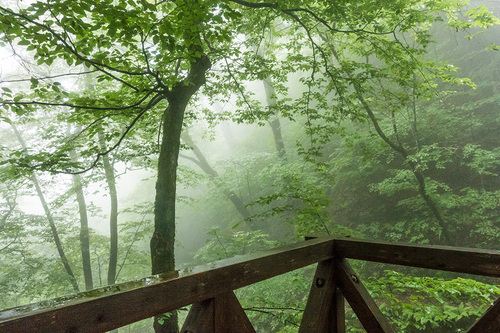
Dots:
{"x": 49, "y": 77}
{"x": 74, "y": 106}
{"x": 192, "y": 159}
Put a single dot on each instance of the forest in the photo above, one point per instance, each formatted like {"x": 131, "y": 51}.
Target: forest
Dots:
{"x": 141, "y": 137}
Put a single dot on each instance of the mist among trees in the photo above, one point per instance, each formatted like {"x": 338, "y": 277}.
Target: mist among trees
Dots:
{"x": 141, "y": 137}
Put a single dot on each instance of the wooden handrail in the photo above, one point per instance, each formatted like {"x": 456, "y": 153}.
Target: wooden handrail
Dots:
{"x": 119, "y": 305}
{"x": 444, "y": 258}
{"x": 111, "y": 307}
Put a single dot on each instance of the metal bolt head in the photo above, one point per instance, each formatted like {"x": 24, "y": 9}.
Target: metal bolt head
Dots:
{"x": 320, "y": 282}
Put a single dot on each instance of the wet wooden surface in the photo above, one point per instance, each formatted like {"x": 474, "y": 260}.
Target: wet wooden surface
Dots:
{"x": 323, "y": 312}
{"x": 123, "y": 306}
{"x": 360, "y": 300}
{"x": 489, "y": 322}
{"x": 221, "y": 314}
{"x": 446, "y": 258}
{"x": 111, "y": 307}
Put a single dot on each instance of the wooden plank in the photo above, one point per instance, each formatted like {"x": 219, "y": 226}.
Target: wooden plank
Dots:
{"x": 489, "y": 322}
{"x": 446, "y": 258}
{"x": 320, "y": 314}
{"x": 221, "y": 314}
{"x": 360, "y": 300}
{"x": 125, "y": 304}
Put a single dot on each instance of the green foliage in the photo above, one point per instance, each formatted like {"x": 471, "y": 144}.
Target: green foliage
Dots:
{"x": 277, "y": 304}
{"x": 416, "y": 304}
{"x": 353, "y": 76}
{"x": 222, "y": 245}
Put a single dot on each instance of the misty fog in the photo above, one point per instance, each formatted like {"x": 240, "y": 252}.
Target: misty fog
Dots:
{"x": 396, "y": 147}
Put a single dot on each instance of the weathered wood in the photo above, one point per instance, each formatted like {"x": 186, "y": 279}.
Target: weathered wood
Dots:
{"x": 489, "y": 322}
{"x": 321, "y": 314}
{"x": 111, "y": 307}
{"x": 360, "y": 300}
{"x": 103, "y": 313}
{"x": 221, "y": 314}
{"x": 446, "y": 258}
{"x": 200, "y": 318}
{"x": 339, "y": 311}
{"x": 229, "y": 315}
{"x": 316, "y": 317}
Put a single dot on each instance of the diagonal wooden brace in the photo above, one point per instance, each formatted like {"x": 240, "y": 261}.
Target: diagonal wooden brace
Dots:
{"x": 360, "y": 300}
{"x": 221, "y": 314}
{"x": 489, "y": 322}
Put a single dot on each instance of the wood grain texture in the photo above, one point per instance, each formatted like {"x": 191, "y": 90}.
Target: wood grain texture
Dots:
{"x": 446, "y": 258}
{"x": 360, "y": 300}
{"x": 489, "y": 322}
{"x": 221, "y": 314}
{"x": 111, "y": 307}
{"x": 200, "y": 318}
{"x": 322, "y": 313}
{"x": 123, "y": 306}
{"x": 339, "y": 312}
{"x": 229, "y": 316}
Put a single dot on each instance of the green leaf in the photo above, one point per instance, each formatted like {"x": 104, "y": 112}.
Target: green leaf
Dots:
{"x": 5, "y": 119}
{"x": 493, "y": 47}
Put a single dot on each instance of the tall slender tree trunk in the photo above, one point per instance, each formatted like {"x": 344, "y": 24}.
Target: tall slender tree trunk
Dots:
{"x": 50, "y": 219}
{"x": 84, "y": 228}
{"x": 275, "y": 122}
{"x": 84, "y": 224}
{"x": 163, "y": 240}
{"x": 113, "y": 214}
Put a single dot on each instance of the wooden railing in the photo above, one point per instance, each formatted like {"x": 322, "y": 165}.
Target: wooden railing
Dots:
{"x": 216, "y": 308}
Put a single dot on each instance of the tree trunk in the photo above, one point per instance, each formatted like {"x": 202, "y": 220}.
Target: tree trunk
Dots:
{"x": 84, "y": 224}
{"x": 11, "y": 203}
{"x": 398, "y": 147}
{"x": 207, "y": 168}
{"x": 113, "y": 214}
{"x": 50, "y": 219}
{"x": 163, "y": 240}
{"x": 84, "y": 228}
{"x": 271, "y": 102}
{"x": 275, "y": 120}
{"x": 419, "y": 176}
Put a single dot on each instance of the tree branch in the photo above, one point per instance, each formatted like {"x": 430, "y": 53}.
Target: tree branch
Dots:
{"x": 74, "y": 51}
{"x": 74, "y": 106}
{"x": 308, "y": 11}
{"x": 49, "y": 77}
{"x": 155, "y": 100}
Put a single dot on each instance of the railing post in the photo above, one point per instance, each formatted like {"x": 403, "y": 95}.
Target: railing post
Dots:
{"x": 325, "y": 311}
{"x": 338, "y": 313}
